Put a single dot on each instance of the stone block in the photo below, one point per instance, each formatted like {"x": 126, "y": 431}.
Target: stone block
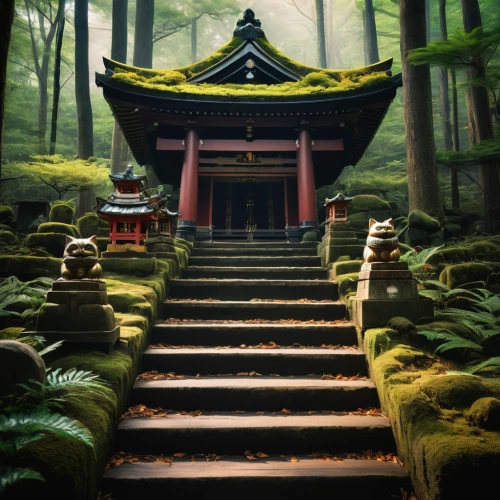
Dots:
{"x": 384, "y": 266}
{"x": 390, "y": 289}
{"x": 376, "y": 313}
{"x": 77, "y": 298}
{"x": 385, "y": 275}
{"x": 52, "y": 317}
{"x": 79, "y": 286}
{"x": 126, "y": 254}
{"x": 125, "y": 247}
{"x": 93, "y": 317}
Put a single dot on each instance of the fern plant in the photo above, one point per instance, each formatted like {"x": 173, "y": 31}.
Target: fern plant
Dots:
{"x": 20, "y": 429}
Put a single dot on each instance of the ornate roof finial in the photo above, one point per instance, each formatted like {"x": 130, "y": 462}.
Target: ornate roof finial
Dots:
{"x": 249, "y": 27}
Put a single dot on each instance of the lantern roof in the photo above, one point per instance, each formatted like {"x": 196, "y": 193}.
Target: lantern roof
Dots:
{"x": 339, "y": 198}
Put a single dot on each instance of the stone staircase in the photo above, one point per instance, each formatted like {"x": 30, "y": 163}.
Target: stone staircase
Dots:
{"x": 270, "y": 395}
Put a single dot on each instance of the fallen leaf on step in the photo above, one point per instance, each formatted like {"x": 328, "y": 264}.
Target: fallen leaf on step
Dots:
{"x": 240, "y": 411}
{"x": 180, "y": 455}
{"x": 260, "y": 413}
{"x": 261, "y": 455}
{"x": 311, "y": 412}
{"x": 196, "y": 413}
{"x": 285, "y": 411}
{"x": 294, "y": 459}
{"x": 242, "y": 374}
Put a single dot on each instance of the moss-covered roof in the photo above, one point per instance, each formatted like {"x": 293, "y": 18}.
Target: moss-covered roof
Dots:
{"x": 313, "y": 81}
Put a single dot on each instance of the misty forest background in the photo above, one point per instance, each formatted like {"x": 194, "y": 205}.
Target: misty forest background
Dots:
{"x": 188, "y": 30}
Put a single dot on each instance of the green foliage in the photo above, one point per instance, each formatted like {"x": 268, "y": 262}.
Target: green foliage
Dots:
{"x": 21, "y": 301}
{"x": 9, "y": 476}
{"x": 461, "y": 50}
{"x": 419, "y": 257}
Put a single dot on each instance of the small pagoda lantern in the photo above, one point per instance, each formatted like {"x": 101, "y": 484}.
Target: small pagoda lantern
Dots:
{"x": 133, "y": 213}
{"x": 336, "y": 208}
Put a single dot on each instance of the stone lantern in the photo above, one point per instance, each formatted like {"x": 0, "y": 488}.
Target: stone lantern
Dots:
{"x": 336, "y": 208}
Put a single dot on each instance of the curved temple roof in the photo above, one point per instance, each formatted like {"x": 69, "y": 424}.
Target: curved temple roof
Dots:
{"x": 247, "y": 78}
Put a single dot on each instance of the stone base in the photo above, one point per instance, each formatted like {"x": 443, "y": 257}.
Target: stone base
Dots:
{"x": 126, "y": 255}
{"x": 387, "y": 289}
{"x": 99, "y": 340}
{"x": 125, "y": 247}
{"x": 376, "y": 313}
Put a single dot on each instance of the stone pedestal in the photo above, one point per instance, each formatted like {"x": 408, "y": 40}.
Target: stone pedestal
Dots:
{"x": 77, "y": 312}
{"x": 160, "y": 244}
{"x": 386, "y": 290}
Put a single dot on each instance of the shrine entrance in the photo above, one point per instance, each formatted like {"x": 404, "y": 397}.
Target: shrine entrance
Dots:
{"x": 230, "y": 204}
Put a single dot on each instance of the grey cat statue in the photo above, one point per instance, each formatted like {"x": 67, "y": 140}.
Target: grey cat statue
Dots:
{"x": 80, "y": 259}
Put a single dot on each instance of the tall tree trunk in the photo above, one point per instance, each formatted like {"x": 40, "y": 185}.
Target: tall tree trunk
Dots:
{"x": 445, "y": 107}
{"x": 61, "y": 22}
{"x": 320, "y": 30}
{"x": 371, "y": 41}
{"x": 143, "y": 41}
{"x": 85, "y": 199}
{"x": 85, "y": 140}
{"x": 428, "y": 19}
{"x": 6, "y": 19}
{"x": 194, "y": 39}
{"x": 479, "y": 105}
{"x": 455, "y": 194}
{"x": 424, "y": 192}
{"x": 119, "y": 37}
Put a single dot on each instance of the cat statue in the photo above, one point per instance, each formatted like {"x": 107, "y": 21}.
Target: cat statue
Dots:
{"x": 80, "y": 259}
{"x": 382, "y": 242}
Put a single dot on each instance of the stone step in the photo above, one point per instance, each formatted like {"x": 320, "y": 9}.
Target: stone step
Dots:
{"x": 246, "y": 310}
{"x": 235, "y": 334}
{"x": 273, "y": 478}
{"x": 255, "y": 261}
{"x": 225, "y": 393}
{"x": 238, "y": 289}
{"x": 254, "y": 244}
{"x": 229, "y": 251}
{"x": 273, "y": 273}
{"x": 235, "y": 433}
{"x": 284, "y": 361}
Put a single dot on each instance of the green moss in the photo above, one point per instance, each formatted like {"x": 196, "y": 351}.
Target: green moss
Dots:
{"x": 420, "y": 220}
{"x": 184, "y": 244}
{"x": 401, "y": 325}
{"x": 454, "y": 391}
{"x": 10, "y": 333}
{"x": 485, "y": 413}
{"x": 183, "y": 257}
{"x": 458, "y": 274}
{"x": 54, "y": 243}
{"x": 61, "y": 213}
{"x": 321, "y": 82}
{"x": 6, "y": 214}
{"x": 59, "y": 227}
{"x": 28, "y": 268}
{"x": 482, "y": 248}
{"x": 368, "y": 203}
{"x": 347, "y": 283}
{"x": 449, "y": 255}
{"x": 8, "y": 238}
{"x": 130, "y": 267}
{"x": 346, "y": 267}
{"x": 90, "y": 225}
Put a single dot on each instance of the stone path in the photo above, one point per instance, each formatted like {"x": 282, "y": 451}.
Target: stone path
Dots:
{"x": 255, "y": 387}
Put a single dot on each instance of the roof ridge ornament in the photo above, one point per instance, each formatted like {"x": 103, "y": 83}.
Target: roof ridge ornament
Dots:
{"x": 249, "y": 28}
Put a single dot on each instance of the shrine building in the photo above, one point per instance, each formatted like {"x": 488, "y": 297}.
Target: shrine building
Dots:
{"x": 248, "y": 126}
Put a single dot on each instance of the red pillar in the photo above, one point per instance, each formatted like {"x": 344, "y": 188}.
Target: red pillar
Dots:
{"x": 188, "y": 197}
{"x": 305, "y": 181}
{"x": 114, "y": 230}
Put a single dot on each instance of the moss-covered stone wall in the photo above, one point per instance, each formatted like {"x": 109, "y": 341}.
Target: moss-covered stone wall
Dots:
{"x": 72, "y": 470}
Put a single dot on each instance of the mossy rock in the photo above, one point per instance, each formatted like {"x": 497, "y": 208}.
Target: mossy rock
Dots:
{"x": 311, "y": 236}
{"x": 61, "y": 213}
{"x": 54, "y": 243}
{"x": 347, "y": 283}
{"x": 131, "y": 267}
{"x": 451, "y": 230}
{"x": 368, "y": 203}
{"x": 184, "y": 244}
{"x": 7, "y": 238}
{"x": 449, "y": 255}
{"x": 485, "y": 413}
{"x": 454, "y": 391}
{"x": 6, "y": 214}
{"x": 59, "y": 227}
{"x": 415, "y": 236}
{"x": 419, "y": 219}
{"x": 455, "y": 275}
{"x": 483, "y": 248}
{"x": 91, "y": 225}
{"x": 401, "y": 325}
{"x": 27, "y": 268}
{"x": 346, "y": 267}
